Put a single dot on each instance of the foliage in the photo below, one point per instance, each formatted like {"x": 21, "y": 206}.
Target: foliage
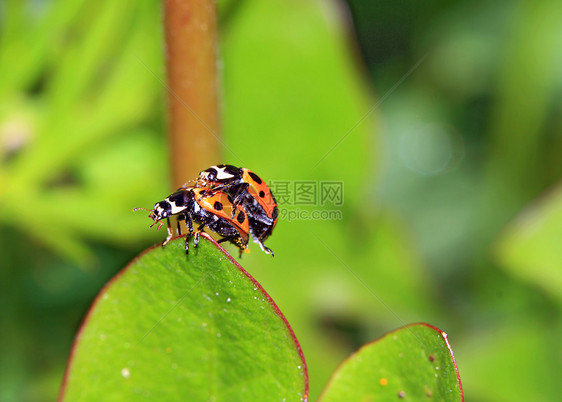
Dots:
{"x": 74, "y": 111}
{"x": 414, "y": 362}
{"x": 528, "y": 248}
{"x": 170, "y": 325}
{"x": 207, "y": 329}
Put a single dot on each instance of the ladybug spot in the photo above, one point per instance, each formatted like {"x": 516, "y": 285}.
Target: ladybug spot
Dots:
{"x": 241, "y": 217}
{"x": 262, "y": 194}
{"x": 255, "y": 177}
{"x": 275, "y": 213}
{"x": 217, "y": 205}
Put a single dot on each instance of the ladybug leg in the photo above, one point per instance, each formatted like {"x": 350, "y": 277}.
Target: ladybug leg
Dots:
{"x": 199, "y": 230}
{"x": 240, "y": 193}
{"x": 185, "y": 185}
{"x": 206, "y": 195}
{"x": 170, "y": 232}
{"x": 210, "y": 192}
{"x": 265, "y": 249}
{"x": 189, "y": 225}
{"x": 221, "y": 187}
{"x": 178, "y": 226}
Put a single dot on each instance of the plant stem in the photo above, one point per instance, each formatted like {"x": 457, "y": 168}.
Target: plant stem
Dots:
{"x": 191, "y": 51}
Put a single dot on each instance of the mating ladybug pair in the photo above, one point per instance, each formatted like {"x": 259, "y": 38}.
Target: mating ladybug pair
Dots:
{"x": 232, "y": 202}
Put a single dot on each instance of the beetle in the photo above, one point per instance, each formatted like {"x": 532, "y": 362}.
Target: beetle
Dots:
{"x": 194, "y": 205}
{"x": 245, "y": 188}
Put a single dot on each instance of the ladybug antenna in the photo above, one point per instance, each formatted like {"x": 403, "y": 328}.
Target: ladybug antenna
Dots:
{"x": 151, "y": 215}
{"x": 143, "y": 209}
{"x": 159, "y": 225}
{"x": 185, "y": 185}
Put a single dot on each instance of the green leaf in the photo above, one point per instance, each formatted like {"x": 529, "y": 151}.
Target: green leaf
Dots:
{"x": 84, "y": 80}
{"x": 530, "y": 247}
{"x": 414, "y": 362}
{"x": 177, "y": 327}
{"x": 512, "y": 360}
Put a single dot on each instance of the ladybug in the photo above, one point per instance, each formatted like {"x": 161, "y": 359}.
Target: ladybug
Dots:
{"x": 191, "y": 204}
{"x": 245, "y": 188}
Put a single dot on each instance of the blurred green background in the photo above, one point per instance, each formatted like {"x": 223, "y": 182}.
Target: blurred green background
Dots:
{"x": 442, "y": 119}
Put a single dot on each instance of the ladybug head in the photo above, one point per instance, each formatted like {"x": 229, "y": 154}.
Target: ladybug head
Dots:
{"x": 208, "y": 175}
{"x": 162, "y": 210}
